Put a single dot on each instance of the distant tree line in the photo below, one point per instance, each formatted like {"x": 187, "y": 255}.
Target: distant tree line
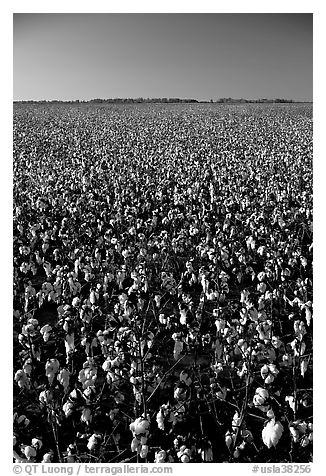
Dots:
{"x": 158, "y": 100}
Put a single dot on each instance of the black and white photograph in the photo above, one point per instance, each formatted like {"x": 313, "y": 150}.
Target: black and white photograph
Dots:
{"x": 162, "y": 239}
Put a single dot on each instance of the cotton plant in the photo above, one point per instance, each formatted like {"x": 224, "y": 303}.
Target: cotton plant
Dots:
{"x": 236, "y": 421}
{"x": 260, "y": 399}
{"x": 184, "y": 454}
{"x": 264, "y": 330}
{"x": 88, "y": 374}
{"x": 299, "y": 329}
{"x": 276, "y": 342}
{"x": 308, "y": 312}
{"x": 165, "y": 414}
{"x": 140, "y": 431}
{"x": 70, "y": 454}
{"x": 37, "y": 443}
{"x": 89, "y": 344}
{"x": 46, "y": 397}
{"x": 29, "y": 452}
{"x": 21, "y": 420}
{"x": 47, "y": 457}
{"x": 230, "y": 438}
{"x": 94, "y": 441}
{"x": 46, "y": 332}
{"x": 31, "y": 328}
{"x": 22, "y": 379}
{"x": 160, "y": 456}
{"x": 301, "y": 432}
{"x": 51, "y": 369}
{"x": 86, "y": 416}
{"x": 185, "y": 378}
{"x": 272, "y": 433}
{"x": 291, "y": 402}
{"x": 28, "y": 367}
{"x": 68, "y": 408}
{"x": 63, "y": 378}
{"x": 69, "y": 345}
{"x": 178, "y": 345}
{"x": 243, "y": 371}
{"x": 220, "y": 324}
{"x": 298, "y": 346}
{"x": 268, "y": 373}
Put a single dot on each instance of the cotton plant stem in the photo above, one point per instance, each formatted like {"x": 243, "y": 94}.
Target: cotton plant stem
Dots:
{"x": 55, "y": 434}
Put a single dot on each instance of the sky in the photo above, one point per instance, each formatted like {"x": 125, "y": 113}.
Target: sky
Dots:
{"x": 202, "y": 56}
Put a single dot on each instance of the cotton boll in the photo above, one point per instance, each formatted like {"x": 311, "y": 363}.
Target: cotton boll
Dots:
{"x": 260, "y": 398}
{"x": 229, "y": 439}
{"x": 184, "y": 377}
{"x": 220, "y": 325}
{"x": 295, "y": 433}
{"x": 264, "y": 371}
{"x": 236, "y": 421}
{"x": 160, "y": 456}
{"x": 22, "y": 379}
{"x": 270, "y": 414}
{"x": 272, "y": 433}
{"x": 86, "y": 415}
{"x": 45, "y": 397}
{"x": 141, "y": 425}
{"x": 134, "y": 444}
{"x": 29, "y": 452}
{"x": 75, "y": 302}
{"x": 160, "y": 420}
{"x": 178, "y": 347}
{"x": 92, "y": 442}
{"x": 45, "y": 331}
{"x": 303, "y": 366}
{"x": 23, "y": 420}
{"x": 143, "y": 451}
{"x": 291, "y": 401}
{"x": 37, "y": 443}
{"x": 269, "y": 378}
{"x": 68, "y": 408}
{"x": 63, "y": 378}
{"x": 237, "y": 453}
{"x": 47, "y": 457}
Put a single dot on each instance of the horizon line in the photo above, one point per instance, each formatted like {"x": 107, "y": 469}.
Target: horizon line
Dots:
{"x": 140, "y": 99}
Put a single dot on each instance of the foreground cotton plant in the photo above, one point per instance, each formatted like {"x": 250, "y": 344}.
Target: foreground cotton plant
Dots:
{"x": 160, "y": 456}
{"x": 236, "y": 421}
{"x": 63, "y": 378}
{"x": 178, "y": 345}
{"x": 229, "y": 439}
{"x": 272, "y": 433}
{"x": 51, "y": 369}
{"x": 48, "y": 457}
{"x": 164, "y": 414}
{"x": 88, "y": 374}
{"x": 269, "y": 372}
{"x": 291, "y": 401}
{"x": 94, "y": 441}
{"x": 260, "y": 398}
{"x": 140, "y": 432}
{"x": 29, "y": 452}
{"x": 45, "y": 331}
{"x": 22, "y": 379}
{"x": 37, "y": 443}
{"x": 184, "y": 454}
{"x": 301, "y": 431}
